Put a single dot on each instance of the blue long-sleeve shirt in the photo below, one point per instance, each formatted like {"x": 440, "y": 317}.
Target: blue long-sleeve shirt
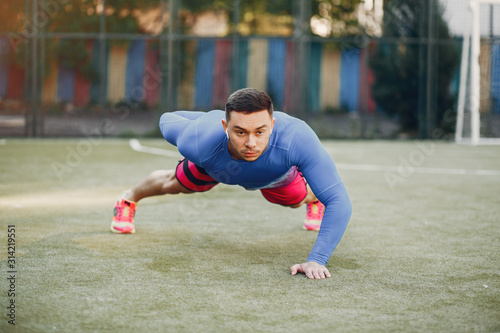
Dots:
{"x": 200, "y": 137}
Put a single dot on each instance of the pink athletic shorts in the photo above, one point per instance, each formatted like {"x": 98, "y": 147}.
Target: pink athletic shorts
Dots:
{"x": 193, "y": 177}
{"x": 196, "y": 179}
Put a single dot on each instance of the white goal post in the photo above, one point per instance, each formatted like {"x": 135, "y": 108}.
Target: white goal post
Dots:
{"x": 470, "y": 80}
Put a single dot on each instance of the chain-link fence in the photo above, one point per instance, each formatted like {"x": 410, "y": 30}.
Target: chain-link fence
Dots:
{"x": 373, "y": 69}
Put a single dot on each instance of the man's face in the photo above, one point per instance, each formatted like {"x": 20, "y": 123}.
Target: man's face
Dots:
{"x": 248, "y": 134}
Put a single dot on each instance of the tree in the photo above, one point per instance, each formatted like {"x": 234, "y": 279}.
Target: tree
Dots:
{"x": 340, "y": 15}
{"x": 263, "y": 17}
{"x": 11, "y": 15}
{"x": 78, "y": 16}
{"x": 399, "y": 67}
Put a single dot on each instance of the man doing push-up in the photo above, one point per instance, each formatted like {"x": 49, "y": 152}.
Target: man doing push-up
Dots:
{"x": 251, "y": 146}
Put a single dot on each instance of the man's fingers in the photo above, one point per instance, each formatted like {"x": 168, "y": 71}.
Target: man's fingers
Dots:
{"x": 314, "y": 271}
{"x": 317, "y": 274}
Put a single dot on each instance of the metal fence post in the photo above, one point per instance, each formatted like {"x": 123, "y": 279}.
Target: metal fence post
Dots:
{"x": 167, "y": 56}
{"x": 162, "y": 58}
{"x": 102, "y": 59}
{"x": 424, "y": 75}
{"x": 34, "y": 69}
{"x": 302, "y": 39}
{"x": 27, "y": 109}
{"x": 431, "y": 72}
{"x": 235, "y": 50}
{"x": 172, "y": 14}
{"x": 306, "y": 56}
{"x": 490, "y": 125}
{"x": 42, "y": 73}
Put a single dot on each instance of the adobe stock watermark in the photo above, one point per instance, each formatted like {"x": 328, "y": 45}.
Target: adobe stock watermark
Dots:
{"x": 199, "y": 202}
{"x": 84, "y": 147}
{"x": 424, "y": 149}
{"x": 94, "y": 138}
{"x": 40, "y": 19}
{"x": 409, "y": 163}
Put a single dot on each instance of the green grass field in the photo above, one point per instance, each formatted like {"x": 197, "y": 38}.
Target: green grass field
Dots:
{"x": 421, "y": 253}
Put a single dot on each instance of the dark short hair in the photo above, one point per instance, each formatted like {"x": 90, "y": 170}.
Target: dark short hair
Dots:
{"x": 248, "y": 100}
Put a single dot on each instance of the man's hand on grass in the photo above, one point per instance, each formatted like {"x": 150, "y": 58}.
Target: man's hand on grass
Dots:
{"x": 311, "y": 269}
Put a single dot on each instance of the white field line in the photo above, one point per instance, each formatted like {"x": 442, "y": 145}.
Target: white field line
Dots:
{"x": 137, "y": 146}
{"x": 482, "y": 142}
{"x": 439, "y": 171}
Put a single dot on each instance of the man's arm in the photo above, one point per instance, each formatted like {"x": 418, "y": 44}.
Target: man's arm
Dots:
{"x": 187, "y": 130}
{"x": 191, "y": 115}
{"x": 180, "y": 128}
{"x": 321, "y": 174}
{"x": 174, "y": 124}
{"x": 337, "y": 214}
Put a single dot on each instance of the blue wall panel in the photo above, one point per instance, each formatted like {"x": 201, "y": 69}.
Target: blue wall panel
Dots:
{"x": 136, "y": 57}
{"x": 276, "y": 71}
{"x": 495, "y": 78}
{"x": 242, "y": 65}
{"x": 204, "y": 76}
{"x": 349, "y": 79}
{"x": 315, "y": 77}
{"x": 4, "y": 68}
{"x": 65, "y": 84}
{"x": 103, "y": 76}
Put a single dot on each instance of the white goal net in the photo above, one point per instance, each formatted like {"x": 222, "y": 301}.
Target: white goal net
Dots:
{"x": 478, "y": 113}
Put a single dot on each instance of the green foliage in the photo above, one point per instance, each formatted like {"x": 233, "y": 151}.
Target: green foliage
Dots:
{"x": 11, "y": 15}
{"x": 397, "y": 65}
{"x": 341, "y": 13}
{"x": 335, "y": 9}
{"x": 257, "y": 6}
{"x": 74, "y": 54}
{"x": 276, "y": 7}
{"x": 196, "y": 6}
{"x": 84, "y": 16}
{"x": 265, "y": 17}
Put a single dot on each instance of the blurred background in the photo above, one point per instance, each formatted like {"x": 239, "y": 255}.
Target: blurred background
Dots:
{"x": 351, "y": 68}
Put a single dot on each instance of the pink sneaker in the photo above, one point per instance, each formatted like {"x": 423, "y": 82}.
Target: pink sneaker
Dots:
{"x": 123, "y": 217}
{"x": 315, "y": 212}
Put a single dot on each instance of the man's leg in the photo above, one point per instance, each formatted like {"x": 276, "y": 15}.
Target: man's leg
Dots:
{"x": 159, "y": 182}
{"x": 310, "y": 197}
{"x": 186, "y": 178}
{"x": 315, "y": 211}
{"x": 298, "y": 191}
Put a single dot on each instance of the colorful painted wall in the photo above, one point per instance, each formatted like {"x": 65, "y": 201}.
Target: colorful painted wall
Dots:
{"x": 335, "y": 79}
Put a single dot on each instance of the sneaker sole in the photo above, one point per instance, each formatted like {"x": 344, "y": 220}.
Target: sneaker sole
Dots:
{"x": 311, "y": 228}
{"x": 116, "y": 231}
